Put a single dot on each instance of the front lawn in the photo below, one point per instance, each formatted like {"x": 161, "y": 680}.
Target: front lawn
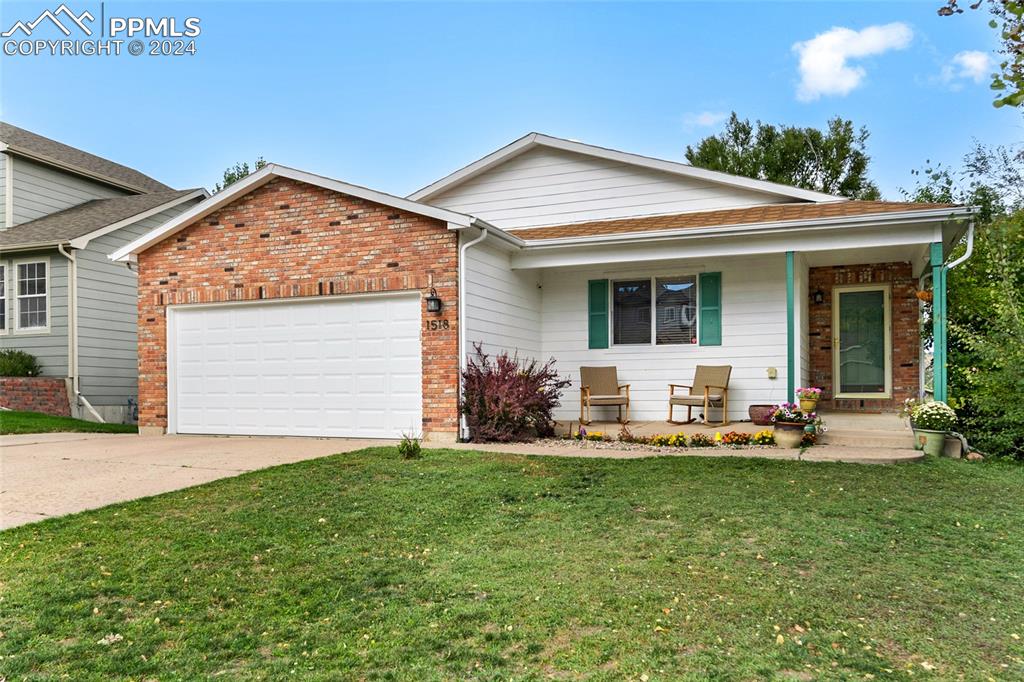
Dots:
{"x": 36, "y": 422}
{"x": 475, "y": 565}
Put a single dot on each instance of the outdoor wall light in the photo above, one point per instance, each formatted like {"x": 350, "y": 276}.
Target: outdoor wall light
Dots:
{"x": 433, "y": 301}
{"x": 819, "y": 296}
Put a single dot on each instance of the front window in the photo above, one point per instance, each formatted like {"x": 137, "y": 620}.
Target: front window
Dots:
{"x": 32, "y": 308}
{"x": 669, "y": 316}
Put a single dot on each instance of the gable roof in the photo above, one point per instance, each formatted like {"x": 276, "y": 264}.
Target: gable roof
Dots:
{"x": 532, "y": 140}
{"x": 261, "y": 177}
{"x": 777, "y": 214}
{"x": 81, "y": 221}
{"x": 30, "y": 145}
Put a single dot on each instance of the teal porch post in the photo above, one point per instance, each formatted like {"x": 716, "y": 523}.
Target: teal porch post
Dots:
{"x": 790, "y": 331}
{"x": 939, "y": 362}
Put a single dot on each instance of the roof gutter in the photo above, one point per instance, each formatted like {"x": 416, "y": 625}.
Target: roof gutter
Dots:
{"x": 751, "y": 228}
{"x": 970, "y": 247}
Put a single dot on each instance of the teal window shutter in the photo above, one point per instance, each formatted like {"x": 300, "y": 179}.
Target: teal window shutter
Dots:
{"x": 597, "y": 313}
{"x": 710, "y": 321}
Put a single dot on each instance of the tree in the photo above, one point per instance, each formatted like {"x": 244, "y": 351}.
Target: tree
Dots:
{"x": 833, "y": 161}
{"x": 235, "y": 173}
{"x": 986, "y": 305}
{"x": 1008, "y": 19}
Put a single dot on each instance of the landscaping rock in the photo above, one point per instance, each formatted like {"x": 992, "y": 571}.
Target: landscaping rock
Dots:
{"x": 975, "y": 457}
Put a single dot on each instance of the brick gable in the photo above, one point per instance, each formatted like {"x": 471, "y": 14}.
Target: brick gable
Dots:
{"x": 290, "y": 239}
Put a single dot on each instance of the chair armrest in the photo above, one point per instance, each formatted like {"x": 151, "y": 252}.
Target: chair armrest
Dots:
{"x": 622, "y": 386}
{"x": 679, "y": 386}
{"x": 724, "y": 388}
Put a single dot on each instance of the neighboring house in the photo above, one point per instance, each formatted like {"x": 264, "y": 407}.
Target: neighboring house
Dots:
{"x": 295, "y": 304}
{"x": 61, "y": 298}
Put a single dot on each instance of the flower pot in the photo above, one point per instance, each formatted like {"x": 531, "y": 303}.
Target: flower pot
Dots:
{"x": 932, "y": 442}
{"x": 761, "y": 414}
{"x": 807, "y": 405}
{"x": 788, "y": 434}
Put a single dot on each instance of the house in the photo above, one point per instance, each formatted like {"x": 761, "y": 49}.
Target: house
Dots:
{"x": 291, "y": 303}
{"x": 61, "y": 299}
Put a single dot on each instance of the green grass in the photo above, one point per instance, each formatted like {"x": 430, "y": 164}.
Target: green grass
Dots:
{"x": 473, "y": 565}
{"x": 36, "y": 422}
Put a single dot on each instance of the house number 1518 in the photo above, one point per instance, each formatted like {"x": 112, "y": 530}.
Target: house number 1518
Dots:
{"x": 436, "y": 325}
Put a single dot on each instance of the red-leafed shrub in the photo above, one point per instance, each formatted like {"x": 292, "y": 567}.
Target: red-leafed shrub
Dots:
{"x": 505, "y": 399}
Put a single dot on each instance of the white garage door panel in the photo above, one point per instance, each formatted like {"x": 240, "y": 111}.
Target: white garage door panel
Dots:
{"x": 339, "y": 367}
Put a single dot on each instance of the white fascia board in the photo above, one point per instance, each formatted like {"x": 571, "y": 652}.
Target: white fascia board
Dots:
{"x": 251, "y": 182}
{"x": 745, "y": 229}
{"x": 83, "y": 241}
{"x": 674, "y": 167}
{"x": 724, "y": 246}
{"x": 98, "y": 177}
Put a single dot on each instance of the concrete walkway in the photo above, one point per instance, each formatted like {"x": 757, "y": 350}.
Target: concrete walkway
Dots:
{"x": 51, "y": 474}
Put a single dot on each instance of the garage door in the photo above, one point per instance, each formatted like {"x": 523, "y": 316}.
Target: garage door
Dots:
{"x": 346, "y": 367}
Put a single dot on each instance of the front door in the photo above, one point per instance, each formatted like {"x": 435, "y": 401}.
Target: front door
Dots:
{"x": 862, "y": 342}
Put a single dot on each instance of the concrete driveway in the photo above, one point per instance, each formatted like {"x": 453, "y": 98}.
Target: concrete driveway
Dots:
{"x": 51, "y": 474}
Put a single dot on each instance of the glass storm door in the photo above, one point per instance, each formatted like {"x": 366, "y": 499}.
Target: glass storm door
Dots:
{"x": 862, "y": 342}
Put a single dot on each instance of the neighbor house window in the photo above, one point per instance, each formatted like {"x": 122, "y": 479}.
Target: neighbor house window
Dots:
{"x": 659, "y": 308}
{"x": 3, "y": 298}
{"x": 31, "y": 295}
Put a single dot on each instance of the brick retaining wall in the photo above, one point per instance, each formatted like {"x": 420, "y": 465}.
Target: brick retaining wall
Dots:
{"x": 48, "y": 395}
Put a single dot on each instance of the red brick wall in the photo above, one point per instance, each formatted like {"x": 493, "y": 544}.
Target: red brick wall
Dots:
{"x": 906, "y": 340}
{"x": 289, "y": 239}
{"x": 48, "y": 395}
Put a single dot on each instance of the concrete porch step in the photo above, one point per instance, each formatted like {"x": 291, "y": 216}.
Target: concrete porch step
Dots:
{"x": 868, "y": 438}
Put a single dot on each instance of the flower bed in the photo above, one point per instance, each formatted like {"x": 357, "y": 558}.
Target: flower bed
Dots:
{"x": 667, "y": 442}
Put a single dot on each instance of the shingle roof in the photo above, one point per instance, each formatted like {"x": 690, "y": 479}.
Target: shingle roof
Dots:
{"x": 80, "y": 220}
{"x": 738, "y": 216}
{"x": 47, "y": 150}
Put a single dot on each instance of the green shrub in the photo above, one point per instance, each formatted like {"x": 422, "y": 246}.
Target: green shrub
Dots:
{"x": 18, "y": 363}
{"x": 409, "y": 448}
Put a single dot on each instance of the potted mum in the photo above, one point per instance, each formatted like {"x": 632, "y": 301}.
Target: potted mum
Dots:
{"x": 931, "y": 422}
{"x": 790, "y": 423}
{"x": 809, "y": 398}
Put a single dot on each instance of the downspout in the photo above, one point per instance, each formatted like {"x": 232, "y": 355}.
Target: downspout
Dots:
{"x": 73, "y": 332}
{"x": 970, "y": 248}
{"x": 463, "y": 429}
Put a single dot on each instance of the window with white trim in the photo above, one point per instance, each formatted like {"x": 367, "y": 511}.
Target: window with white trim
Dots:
{"x": 3, "y": 298}
{"x": 31, "y": 296}
{"x": 659, "y": 308}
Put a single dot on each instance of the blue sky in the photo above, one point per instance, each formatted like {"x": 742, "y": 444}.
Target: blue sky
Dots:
{"x": 394, "y": 96}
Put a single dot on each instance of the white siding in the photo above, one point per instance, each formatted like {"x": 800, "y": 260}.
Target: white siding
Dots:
{"x": 753, "y": 336}
{"x": 546, "y": 186}
{"x": 108, "y": 315}
{"x": 502, "y": 305}
{"x": 41, "y": 190}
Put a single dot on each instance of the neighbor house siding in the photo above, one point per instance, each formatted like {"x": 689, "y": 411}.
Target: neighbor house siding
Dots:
{"x": 546, "y": 186}
{"x": 502, "y": 305}
{"x": 40, "y": 190}
{"x": 108, "y": 364}
{"x": 49, "y": 347}
{"x": 753, "y": 336}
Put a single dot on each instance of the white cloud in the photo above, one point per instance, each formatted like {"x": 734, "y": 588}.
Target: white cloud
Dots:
{"x": 824, "y": 67}
{"x": 967, "y": 65}
{"x": 704, "y": 119}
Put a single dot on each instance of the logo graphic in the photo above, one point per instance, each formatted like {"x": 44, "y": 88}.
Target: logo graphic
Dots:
{"x": 78, "y": 21}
